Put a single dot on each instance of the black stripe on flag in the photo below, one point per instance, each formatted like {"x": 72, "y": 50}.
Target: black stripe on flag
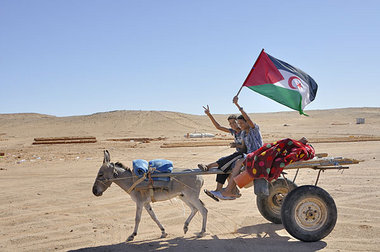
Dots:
{"x": 313, "y": 87}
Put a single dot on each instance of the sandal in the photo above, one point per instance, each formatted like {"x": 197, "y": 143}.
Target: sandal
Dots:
{"x": 233, "y": 195}
{"x": 237, "y": 193}
{"x": 212, "y": 196}
{"x": 203, "y": 167}
{"x": 219, "y": 195}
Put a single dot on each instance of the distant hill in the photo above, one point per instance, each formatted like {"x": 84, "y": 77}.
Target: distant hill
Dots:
{"x": 126, "y": 123}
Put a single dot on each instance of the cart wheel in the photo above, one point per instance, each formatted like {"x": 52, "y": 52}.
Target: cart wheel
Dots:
{"x": 270, "y": 206}
{"x": 309, "y": 213}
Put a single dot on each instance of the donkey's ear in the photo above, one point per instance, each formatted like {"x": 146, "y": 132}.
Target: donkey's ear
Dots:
{"x": 107, "y": 157}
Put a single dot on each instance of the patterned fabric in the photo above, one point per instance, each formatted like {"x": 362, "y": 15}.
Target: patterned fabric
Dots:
{"x": 253, "y": 139}
{"x": 269, "y": 161}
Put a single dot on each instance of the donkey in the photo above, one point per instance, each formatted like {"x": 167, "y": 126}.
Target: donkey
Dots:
{"x": 186, "y": 187}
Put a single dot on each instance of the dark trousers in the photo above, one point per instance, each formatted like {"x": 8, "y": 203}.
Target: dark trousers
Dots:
{"x": 226, "y": 165}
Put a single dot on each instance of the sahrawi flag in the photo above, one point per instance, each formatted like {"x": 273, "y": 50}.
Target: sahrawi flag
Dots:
{"x": 281, "y": 82}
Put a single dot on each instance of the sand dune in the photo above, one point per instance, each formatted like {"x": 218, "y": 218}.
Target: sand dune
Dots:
{"x": 47, "y": 203}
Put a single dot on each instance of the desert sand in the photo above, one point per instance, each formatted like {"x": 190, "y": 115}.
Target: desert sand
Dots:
{"x": 47, "y": 203}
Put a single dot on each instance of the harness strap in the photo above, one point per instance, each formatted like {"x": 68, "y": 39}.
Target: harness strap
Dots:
{"x": 150, "y": 186}
{"x": 136, "y": 183}
{"x": 151, "y": 193}
{"x": 151, "y": 190}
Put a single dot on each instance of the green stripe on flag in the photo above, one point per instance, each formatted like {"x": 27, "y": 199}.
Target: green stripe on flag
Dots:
{"x": 287, "y": 97}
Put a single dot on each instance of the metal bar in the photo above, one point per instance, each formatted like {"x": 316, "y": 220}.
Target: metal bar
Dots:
{"x": 325, "y": 164}
{"x": 217, "y": 171}
{"x": 286, "y": 181}
{"x": 295, "y": 176}
{"x": 189, "y": 172}
{"x": 330, "y": 168}
{"x": 319, "y": 173}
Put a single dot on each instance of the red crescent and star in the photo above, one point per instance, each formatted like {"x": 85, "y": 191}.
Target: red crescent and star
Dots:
{"x": 298, "y": 82}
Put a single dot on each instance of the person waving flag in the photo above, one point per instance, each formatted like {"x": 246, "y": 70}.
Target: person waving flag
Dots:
{"x": 281, "y": 82}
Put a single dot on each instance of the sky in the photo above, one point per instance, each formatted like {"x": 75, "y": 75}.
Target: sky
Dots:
{"x": 79, "y": 57}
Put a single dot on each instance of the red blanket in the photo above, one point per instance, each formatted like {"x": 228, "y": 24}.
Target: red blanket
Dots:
{"x": 269, "y": 161}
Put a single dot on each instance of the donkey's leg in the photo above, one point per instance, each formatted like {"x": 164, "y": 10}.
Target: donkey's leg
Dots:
{"x": 153, "y": 215}
{"x": 139, "y": 207}
{"x": 198, "y": 204}
{"x": 193, "y": 209}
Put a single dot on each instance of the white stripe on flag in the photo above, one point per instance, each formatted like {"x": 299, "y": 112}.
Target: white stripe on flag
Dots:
{"x": 295, "y": 84}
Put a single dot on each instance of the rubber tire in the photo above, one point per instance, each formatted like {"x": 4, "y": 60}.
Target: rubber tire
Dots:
{"x": 309, "y": 202}
{"x": 269, "y": 206}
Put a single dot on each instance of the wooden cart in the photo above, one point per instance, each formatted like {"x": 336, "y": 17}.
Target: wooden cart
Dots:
{"x": 307, "y": 212}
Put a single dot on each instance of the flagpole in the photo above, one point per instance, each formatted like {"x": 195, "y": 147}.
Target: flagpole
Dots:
{"x": 249, "y": 73}
{"x": 239, "y": 90}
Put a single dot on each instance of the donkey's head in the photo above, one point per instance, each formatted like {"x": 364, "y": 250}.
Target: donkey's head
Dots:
{"x": 106, "y": 173}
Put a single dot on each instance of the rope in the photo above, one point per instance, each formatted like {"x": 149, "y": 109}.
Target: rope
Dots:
{"x": 150, "y": 186}
{"x": 136, "y": 183}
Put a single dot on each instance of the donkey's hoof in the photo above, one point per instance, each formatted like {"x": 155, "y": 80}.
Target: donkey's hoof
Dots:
{"x": 185, "y": 228}
{"x": 201, "y": 234}
{"x": 131, "y": 237}
{"x": 164, "y": 235}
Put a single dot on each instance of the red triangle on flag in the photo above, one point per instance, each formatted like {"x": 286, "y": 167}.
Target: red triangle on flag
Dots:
{"x": 263, "y": 72}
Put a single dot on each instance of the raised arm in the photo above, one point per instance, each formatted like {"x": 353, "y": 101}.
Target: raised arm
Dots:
{"x": 216, "y": 124}
{"x": 245, "y": 115}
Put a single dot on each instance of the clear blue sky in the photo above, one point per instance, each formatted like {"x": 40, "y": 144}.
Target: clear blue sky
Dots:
{"x": 76, "y": 57}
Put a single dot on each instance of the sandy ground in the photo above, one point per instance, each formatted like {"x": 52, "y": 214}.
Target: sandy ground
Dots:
{"x": 47, "y": 203}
